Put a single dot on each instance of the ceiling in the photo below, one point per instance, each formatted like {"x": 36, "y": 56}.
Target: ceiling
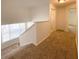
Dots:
{"x": 56, "y": 3}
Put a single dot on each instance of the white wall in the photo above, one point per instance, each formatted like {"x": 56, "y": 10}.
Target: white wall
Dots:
{"x": 52, "y": 17}
{"x": 72, "y": 17}
{"x": 14, "y": 11}
{"x": 72, "y": 14}
{"x": 61, "y": 19}
{"x": 29, "y": 36}
{"x": 40, "y": 13}
{"x": 43, "y": 30}
{"x": 35, "y": 34}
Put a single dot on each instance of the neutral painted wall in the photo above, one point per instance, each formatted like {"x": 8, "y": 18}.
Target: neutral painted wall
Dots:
{"x": 40, "y": 13}
{"x": 36, "y": 34}
{"x": 61, "y": 21}
{"x": 13, "y": 11}
{"x": 71, "y": 17}
{"x": 43, "y": 30}
{"x": 52, "y": 17}
{"x": 29, "y": 36}
{"x": 72, "y": 14}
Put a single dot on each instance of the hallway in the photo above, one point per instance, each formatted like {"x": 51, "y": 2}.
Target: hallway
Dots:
{"x": 39, "y": 29}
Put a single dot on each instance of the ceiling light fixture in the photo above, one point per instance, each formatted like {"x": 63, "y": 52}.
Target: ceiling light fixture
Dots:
{"x": 61, "y": 1}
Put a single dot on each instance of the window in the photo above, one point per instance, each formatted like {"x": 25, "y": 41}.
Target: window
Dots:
{"x": 5, "y": 33}
{"x": 11, "y": 31}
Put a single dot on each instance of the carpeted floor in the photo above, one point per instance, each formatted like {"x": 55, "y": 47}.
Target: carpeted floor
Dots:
{"x": 59, "y": 45}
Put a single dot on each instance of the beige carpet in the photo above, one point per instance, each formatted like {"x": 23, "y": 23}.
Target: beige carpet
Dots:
{"x": 59, "y": 45}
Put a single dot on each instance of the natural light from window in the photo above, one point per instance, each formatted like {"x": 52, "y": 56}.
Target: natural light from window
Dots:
{"x": 11, "y": 31}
